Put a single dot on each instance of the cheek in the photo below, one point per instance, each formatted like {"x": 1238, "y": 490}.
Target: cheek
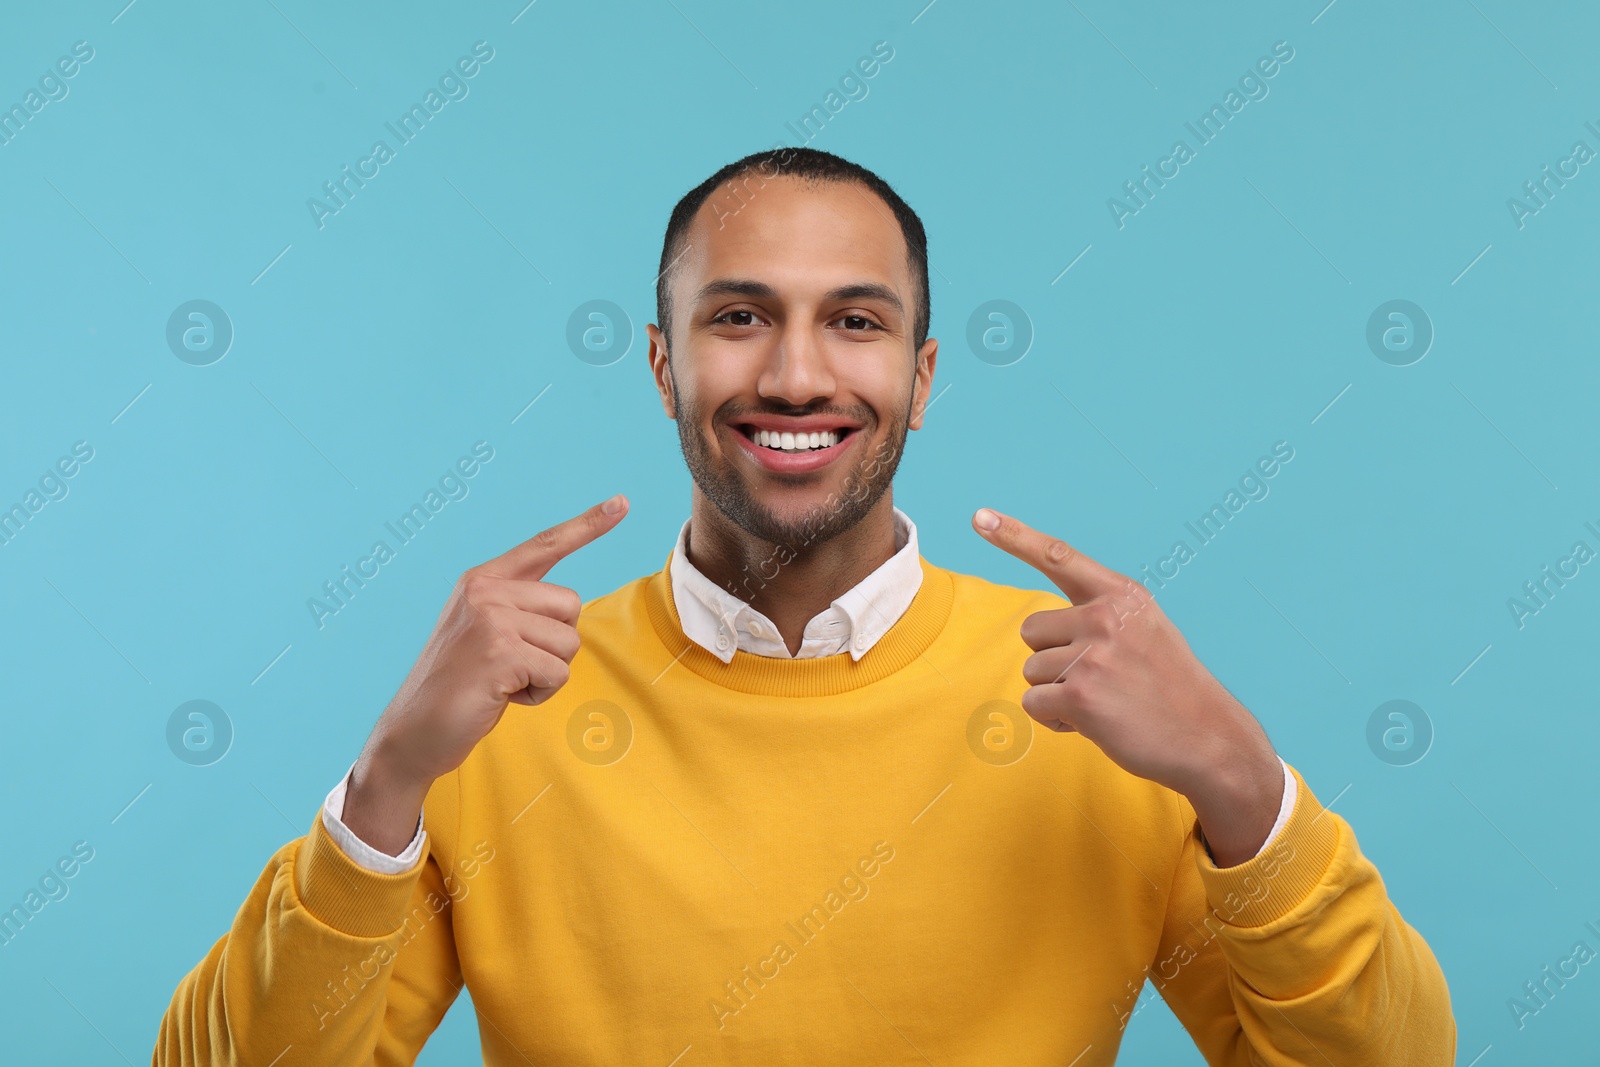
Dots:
{"x": 709, "y": 387}
{"x": 878, "y": 399}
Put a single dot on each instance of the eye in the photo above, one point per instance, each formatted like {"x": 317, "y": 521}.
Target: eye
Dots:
{"x": 744, "y": 318}
{"x": 858, "y": 323}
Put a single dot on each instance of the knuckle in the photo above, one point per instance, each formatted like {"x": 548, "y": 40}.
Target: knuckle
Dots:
{"x": 475, "y": 585}
{"x": 1087, "y": 669}
{"x": 564, "y": 603}
{"x": 1071, "y": 688}
{"x": 556, "y": 672}
{"x": 558, "y": 639}
{"x": 500, "y": 647}
{"x": 1103, "y": 617}
{"x": 1135, "y": 595}
{"x": 1059, "y": 552}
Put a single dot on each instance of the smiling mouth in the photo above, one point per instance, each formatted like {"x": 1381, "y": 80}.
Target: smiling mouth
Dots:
{"x": 796, "y": 443}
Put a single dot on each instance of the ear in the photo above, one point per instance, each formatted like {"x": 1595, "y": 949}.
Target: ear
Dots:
{"x": 923, "y": 384}
{"x": 658, "y": 368}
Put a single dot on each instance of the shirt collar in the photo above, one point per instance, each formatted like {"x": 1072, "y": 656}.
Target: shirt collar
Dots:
{"x": 722, "y": 623}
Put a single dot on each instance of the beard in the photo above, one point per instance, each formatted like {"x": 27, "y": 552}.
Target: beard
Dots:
{"x": 863, "y": 486}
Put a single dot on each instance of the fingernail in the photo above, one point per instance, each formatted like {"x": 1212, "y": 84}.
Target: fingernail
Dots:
{"x": 612, "y": 506}
{"x": 986, "y": 519}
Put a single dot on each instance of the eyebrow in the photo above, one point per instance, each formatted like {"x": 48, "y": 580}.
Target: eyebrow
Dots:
{"x": 763, "y": 291}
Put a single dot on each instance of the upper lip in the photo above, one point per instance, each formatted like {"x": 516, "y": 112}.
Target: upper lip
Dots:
{"x": 783, "y": 424}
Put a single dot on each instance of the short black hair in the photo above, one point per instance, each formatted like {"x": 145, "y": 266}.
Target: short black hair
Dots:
{"x": 813, "y": 165}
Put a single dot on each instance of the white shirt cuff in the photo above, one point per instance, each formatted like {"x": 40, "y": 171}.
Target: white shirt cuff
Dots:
{"x": 1290, "y": 789}
{"x": 358, "y": 850}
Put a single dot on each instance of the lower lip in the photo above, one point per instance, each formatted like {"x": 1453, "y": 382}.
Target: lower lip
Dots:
{"x": 794, "y": 462}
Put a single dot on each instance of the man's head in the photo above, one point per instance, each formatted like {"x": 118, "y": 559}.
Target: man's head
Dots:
{"x": 793, "y": 297}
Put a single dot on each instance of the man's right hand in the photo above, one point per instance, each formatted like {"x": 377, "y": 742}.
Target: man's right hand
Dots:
{"x": 504, "y": 636}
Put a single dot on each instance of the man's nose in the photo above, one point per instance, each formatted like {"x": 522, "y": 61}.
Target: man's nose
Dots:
{"x": 799, "y": 368}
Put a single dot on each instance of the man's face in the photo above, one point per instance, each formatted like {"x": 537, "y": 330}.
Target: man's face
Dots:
{"x": 793, "y": 311}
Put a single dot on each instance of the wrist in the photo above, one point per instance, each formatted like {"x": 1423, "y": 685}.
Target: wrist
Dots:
{"x": 383, "y": 801}
{"x": 1238, "y": 806}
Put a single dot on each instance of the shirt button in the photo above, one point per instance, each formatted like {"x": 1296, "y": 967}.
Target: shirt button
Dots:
{"x": 722, "y": 643}
{"x": 861, "y": 640}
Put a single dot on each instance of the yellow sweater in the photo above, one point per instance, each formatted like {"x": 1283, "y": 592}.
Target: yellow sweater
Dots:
{"x": 815, "y": 861}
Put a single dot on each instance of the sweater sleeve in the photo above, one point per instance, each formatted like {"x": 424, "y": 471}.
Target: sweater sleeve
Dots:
{"x": 342, "y": 964}
{"x": 1297, "y": 955}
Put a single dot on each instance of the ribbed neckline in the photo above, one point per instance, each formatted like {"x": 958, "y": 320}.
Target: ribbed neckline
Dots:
{"x": 815, "y": 676}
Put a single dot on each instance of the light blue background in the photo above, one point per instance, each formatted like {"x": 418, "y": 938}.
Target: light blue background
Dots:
{"x": 1225, "y": 316}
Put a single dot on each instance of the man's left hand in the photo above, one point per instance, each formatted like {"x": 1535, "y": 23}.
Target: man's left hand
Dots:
{"x": 1115, "y": 669}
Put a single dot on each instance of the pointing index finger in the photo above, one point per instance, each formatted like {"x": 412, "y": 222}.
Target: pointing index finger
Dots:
{"x": 532, "y": 560}
{"x": 1074, "y": 573}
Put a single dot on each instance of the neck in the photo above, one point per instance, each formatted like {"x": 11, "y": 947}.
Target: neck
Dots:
{"x": 788, "y": 584}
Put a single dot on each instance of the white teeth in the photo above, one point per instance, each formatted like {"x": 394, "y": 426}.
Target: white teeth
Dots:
{"x": 793, "y": 442}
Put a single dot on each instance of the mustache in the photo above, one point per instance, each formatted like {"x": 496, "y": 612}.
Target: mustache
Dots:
{"x": 858, "y": 415}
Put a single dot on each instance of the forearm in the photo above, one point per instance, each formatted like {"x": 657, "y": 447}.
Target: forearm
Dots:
{"x": 1315, "y": 960}
{"x": 306, "y": 962}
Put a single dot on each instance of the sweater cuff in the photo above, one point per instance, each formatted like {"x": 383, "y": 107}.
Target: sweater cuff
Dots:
{"x": 1274, "y": 882}
{"x": 346, "y": 896}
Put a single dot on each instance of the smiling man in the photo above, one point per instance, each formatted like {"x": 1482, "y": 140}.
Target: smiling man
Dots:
{"x": 783, "y": 800}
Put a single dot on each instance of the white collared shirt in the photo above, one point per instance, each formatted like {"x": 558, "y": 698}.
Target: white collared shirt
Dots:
{"x": 722, "y": 623}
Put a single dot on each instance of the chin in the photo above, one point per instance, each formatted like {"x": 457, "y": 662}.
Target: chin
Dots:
{"x": 795, "y": 510}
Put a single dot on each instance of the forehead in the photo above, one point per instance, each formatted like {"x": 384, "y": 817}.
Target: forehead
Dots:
{"x": 796, "y": 235}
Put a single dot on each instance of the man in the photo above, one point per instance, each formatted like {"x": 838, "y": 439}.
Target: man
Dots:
{"x": 788, "y": 805}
